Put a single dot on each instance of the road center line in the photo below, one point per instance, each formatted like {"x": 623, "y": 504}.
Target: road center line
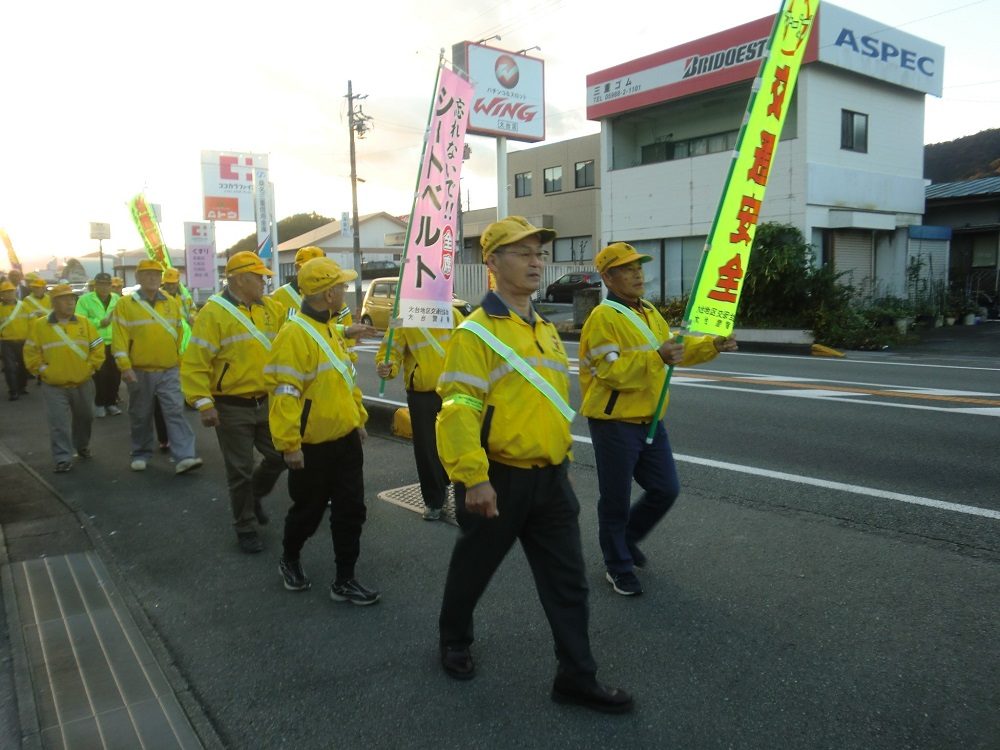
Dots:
{"x": 854, "y": 489}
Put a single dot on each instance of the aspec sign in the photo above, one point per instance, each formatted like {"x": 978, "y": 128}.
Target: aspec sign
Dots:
{"x": 857, "y": 43}
{"x": 508, "y": 92}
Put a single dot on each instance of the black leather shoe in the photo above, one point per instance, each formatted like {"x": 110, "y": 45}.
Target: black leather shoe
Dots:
{"x": 457, "y": 662}
{"x": 250, "y": 542}
{"x": 593, "y": 696}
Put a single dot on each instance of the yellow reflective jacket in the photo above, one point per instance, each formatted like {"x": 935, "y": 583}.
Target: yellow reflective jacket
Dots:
{"x": 346, "y": 320}
{"x": 489, "y": 411}
{"x": 90, "y": 306}
{"x": 49, "y": 357}
{"x": 288, "y": 296}
{"x": 621, "y": 375}
{"x": 37, "y": 307}
{"x": 223, "y": 357}
{"x": 310, "y": 401}
{"x": 422, "y": 362}
{"x": 15, "y": 327}
{"x": 139, "y": 341}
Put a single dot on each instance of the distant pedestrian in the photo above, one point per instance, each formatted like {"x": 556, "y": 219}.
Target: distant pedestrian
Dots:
{"x": 97, "y": 307}
{"x": 14, "y": 321}
{"x": 222, "y": 376}
{"x": 37, "y": 303}
{"x": 317, "y": 422}
{"x": 503, "y": 435}
{"x": 65, "y": 350}
{"x": 117, "y": 285}
{"x": 421, "y": 353}
{"x": 625, "y": 348}
{"x": 288, "y": 295}
{"x": 146, "y": 336}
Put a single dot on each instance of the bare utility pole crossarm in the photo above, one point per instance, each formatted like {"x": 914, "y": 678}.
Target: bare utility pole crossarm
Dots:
{"x": 360, "y": 123}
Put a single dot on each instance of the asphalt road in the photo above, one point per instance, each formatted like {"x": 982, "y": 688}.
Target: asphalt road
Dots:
{"x": 802, "y": 593}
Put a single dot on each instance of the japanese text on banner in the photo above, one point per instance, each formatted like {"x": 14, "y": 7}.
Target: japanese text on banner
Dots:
{"x": 425, "y": 292}
{"x": 727, "y": 251}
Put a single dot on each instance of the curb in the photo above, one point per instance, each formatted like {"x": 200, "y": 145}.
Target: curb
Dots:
{"x": 23, "y": 684}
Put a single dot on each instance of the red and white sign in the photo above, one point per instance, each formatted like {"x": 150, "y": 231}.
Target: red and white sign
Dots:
{"x": 718, "y": 60}
{"x": 509, "y": 92}
{"x": 227, "y": 184}
{"x": 199, "y": 254}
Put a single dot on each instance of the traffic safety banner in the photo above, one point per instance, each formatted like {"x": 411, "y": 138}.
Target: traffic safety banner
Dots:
{"x": 712, "y": 308}
{"x": 149, "y": 230}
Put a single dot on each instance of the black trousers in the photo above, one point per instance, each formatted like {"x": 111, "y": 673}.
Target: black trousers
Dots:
{"x": 14, "y": 371}
{"x": 539, "y": 507}
{"x": 424, "y": 407}
{"x": 333, "y": 472}
{"x": 107, "y": 380}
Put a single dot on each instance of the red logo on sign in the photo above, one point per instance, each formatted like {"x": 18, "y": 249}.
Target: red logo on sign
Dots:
{"x": 506, "y": 71}
{"x": 447, "y": 252}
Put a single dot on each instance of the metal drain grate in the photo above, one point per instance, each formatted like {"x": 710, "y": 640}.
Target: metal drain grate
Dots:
{"x": 409, "y": 497}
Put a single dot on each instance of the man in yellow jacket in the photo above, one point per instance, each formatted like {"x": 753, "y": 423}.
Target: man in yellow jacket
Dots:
{"x": 65, "y": 351}
{"x": 503, "y": 437}
{"x": 421, "y": 352}
{"x": 289, "y": 295}
{"x": 14, "y": 321}
{"x": 625, "y": 348}
{"x": 146, "y": 336}
{"x": 37, "y": 303}
{"x": 222, "y": 376}
{"x": 318, "y": 423}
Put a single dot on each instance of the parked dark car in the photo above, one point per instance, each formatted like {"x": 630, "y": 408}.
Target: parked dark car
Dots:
{"x": 561, "y": 290}
{"x": 372, "y": 269}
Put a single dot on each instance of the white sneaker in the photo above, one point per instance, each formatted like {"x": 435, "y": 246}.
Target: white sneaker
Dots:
{"x": 138, "y": 464}
{"x": 113, "y": 411}
{"x": 100, "y": 411}
{"x": 187, "y": 464}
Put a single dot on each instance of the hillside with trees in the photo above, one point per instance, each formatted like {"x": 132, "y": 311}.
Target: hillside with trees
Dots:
{"x": 968, "y": 158}
{"x": 288, "y": 228}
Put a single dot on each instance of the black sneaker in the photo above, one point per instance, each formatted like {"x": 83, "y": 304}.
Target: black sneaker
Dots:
{"x": 625, "y": 584}
{"x": 353, "y": 592}
{"x": 293, "y": 575}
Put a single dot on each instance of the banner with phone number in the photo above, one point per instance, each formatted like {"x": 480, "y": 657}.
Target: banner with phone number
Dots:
{"x": 713, "y": 305}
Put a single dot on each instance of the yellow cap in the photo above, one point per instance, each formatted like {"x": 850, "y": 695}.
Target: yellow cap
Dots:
{"x": 117, "y": 281}
{"x": 618, "y": 254}
{"x": 6, "y": 286}
{"x": 509, "y": 231}
{"x": 308, "y": 253}
{"x": 148, "y": 264}
{"x": 247, "y": 262}
{"x": 37, "y": 281}
{"x": 171, "y": 276}
{"x": 61, "y": 290}
{"x": 319, "y": 274}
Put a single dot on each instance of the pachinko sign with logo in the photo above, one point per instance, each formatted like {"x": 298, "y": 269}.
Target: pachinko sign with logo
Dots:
{"x": 227, "y": 184}
{"x": 509, "y": 92}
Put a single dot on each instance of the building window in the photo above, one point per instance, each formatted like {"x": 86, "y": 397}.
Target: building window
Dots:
{"x": 853, "y": 131}
{"x": 585, "y": 174}
{"x": 522, "y": 185}
{"x": 553, "y": 179}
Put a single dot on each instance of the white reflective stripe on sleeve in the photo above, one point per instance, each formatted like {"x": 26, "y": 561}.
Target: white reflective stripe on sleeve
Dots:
{"x": 203, "y": 402}
{"x": 287, "y": 390}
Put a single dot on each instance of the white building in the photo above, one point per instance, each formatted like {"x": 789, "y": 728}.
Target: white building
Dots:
{"x": 849, "y": 166}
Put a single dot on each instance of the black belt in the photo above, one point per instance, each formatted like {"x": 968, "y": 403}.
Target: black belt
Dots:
{"x": 240, "y": 400}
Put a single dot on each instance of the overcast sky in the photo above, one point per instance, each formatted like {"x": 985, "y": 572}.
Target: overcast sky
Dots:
{"x": 103, "y": 99}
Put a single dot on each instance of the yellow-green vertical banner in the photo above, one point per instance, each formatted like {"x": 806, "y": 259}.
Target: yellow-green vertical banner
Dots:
{"x": 713, "y": 305}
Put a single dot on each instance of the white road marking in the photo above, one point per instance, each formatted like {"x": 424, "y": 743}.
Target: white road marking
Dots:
{"x": 854, "y": 489}
{"x": 843, "y": 362}
{"x": 811, "y": 393}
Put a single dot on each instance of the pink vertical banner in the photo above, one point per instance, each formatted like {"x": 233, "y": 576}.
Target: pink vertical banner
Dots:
{"x": 425, "y": 292}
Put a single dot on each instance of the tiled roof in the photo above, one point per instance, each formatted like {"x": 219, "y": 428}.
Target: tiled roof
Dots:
{"x": 963, "y": 188}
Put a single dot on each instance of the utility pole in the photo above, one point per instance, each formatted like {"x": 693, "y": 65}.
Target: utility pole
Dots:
{"x": 357, "y": 122}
